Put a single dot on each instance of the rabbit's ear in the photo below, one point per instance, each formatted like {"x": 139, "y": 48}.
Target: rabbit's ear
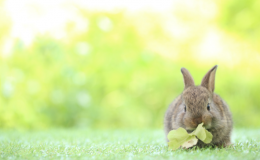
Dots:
{"x": 208, "y": 80}
{"x": 188, "y": 80}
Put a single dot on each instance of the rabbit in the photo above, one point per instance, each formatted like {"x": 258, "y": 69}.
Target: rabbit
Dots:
{"x": 199, "y": 104}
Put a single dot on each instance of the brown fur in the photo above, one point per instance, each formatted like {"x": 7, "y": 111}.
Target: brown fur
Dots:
{"x": 217, "y": 120}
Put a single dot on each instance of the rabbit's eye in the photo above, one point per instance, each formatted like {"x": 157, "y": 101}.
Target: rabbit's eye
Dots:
{"x": 208, "y": 107}
{"x": 185, "y": 108}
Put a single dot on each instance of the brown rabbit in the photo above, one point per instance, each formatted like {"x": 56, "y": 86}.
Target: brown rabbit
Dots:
{"x": 199, "y": 104}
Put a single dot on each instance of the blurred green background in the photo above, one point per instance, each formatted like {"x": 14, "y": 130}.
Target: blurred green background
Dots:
{"x": 117, "y": 65}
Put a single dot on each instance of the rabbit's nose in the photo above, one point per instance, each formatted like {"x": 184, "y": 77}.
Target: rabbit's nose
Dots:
{"x": 197, "y": 121}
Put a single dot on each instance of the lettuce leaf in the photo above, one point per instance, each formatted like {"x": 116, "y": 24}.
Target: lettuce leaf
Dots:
{"x": 181, "y": 138}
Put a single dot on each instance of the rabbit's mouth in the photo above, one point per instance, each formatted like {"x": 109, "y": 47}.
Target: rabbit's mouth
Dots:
{"x": 190, "y": 130}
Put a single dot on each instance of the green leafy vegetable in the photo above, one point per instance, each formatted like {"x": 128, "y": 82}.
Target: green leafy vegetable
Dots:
{"x": 179, "y": 135}
{"x": 191, "y": 141}
{"x": 208, "y": 138}
{"x": 173, "y": 145}
{"x": 200, "y": 132}
{"x": 180, "y": 138}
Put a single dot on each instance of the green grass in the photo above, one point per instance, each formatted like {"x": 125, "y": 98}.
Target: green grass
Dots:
{"x": 117, "y": 144}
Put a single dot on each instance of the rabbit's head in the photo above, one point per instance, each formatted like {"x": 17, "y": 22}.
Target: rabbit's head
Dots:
{"x": 197, "y": 102}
